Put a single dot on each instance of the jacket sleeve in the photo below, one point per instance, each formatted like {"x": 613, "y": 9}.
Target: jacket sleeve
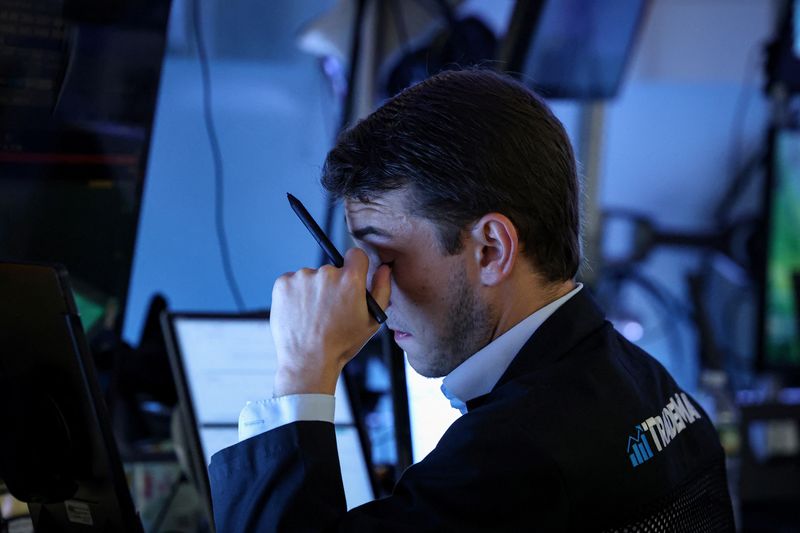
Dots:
{"x": 288, "y": 479}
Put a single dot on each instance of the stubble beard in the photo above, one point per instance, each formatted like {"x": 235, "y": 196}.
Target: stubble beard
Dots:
{"x": 468, "y": 329}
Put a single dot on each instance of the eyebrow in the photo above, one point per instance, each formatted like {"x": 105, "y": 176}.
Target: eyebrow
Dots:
{"x": 360, "y": 233}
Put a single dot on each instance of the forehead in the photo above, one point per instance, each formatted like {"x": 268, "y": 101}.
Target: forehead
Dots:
{"x": 387, "y": 220}
{"x": 388, "y": 209}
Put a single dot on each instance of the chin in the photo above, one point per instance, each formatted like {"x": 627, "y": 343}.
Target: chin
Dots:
{"x": 425, "y": 368}
{"x": 427, "y": 372}
{"x": 420, "y": 367}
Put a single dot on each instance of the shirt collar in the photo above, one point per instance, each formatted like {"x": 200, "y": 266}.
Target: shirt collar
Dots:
{"x": 480, "y": 373}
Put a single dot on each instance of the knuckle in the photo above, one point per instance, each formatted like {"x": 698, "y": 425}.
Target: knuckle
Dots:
{"x": 282, "y": 281}
{"x": 328, "y": 270}
{"x": 279, "y": 287}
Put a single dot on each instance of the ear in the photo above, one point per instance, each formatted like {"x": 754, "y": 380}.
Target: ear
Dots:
{"x": 496, "y": 245}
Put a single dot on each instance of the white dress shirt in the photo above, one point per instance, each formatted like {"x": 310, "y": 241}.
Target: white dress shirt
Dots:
{"x": 480, "y": 373}
{"x": 474, "y": 377}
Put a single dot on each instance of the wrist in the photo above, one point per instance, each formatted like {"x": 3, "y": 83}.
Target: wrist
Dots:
{"x": 302, "y": 381}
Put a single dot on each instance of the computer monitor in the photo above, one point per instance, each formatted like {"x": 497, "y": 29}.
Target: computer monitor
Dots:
{"x": 796, "y": 283}
{"x": 429, "y": 412}
{"x": 222, "y": 361}
{"x": 779, "y": 328}
{"x": 572, "y": 48}
{"x": 79, "y": 87}
{"x": 57, "y": 451}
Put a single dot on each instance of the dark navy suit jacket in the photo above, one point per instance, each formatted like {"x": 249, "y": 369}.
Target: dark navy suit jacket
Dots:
{"x": 584, "y": 431}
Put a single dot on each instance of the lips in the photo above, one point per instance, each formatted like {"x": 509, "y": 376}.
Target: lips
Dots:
{"x": 399, "y": 334}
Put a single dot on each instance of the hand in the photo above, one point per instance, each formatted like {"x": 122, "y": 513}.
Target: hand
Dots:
{"x": 319, "y": 321}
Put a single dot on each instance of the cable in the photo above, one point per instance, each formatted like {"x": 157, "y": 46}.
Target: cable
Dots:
{"x": 216, "y": 153}
{"x": 347, "y": 111}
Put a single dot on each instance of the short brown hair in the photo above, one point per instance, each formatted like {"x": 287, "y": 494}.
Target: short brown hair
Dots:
{"x": 467, "y": 143}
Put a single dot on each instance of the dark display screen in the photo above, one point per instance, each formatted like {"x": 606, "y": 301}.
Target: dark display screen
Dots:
{"x": 580, "y": 49}
{"x": 781, "y": 321}
{"x": 77, "y": 96}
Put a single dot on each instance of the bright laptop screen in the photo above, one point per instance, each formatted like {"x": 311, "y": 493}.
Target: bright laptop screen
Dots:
{"x": 429, "y": 412}
{"x": 229, "y": 361}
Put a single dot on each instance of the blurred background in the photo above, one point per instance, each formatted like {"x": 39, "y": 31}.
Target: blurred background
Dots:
{"x": 148, "y": 147}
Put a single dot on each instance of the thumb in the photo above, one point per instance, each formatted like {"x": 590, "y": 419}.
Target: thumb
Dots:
{"x": 382, "y": 286}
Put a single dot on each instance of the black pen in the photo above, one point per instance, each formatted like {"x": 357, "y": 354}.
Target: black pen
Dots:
{"x": 331, "y": 251}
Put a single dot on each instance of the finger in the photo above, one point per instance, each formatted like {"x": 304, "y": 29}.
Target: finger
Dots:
{"x": 382, "y": 285}
{"x": 356, "y": 265}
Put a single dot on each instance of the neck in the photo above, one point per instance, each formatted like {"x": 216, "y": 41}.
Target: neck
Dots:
{"x": 520, "y": 299}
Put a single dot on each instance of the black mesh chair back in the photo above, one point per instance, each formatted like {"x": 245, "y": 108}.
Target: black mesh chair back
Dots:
{"x": 702, "y": 505}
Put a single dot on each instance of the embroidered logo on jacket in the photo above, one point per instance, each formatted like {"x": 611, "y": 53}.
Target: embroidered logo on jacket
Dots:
{"x": 638, "y": 448}
{"x": 674, "y": 418}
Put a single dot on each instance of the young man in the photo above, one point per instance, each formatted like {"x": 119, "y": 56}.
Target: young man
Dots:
{"x": 462, "y": 195}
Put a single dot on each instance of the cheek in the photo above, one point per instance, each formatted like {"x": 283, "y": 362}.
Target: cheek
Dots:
{"x": 415, "y": 287}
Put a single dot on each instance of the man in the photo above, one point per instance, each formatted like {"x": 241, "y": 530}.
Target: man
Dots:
{"x": 462, "y": 195}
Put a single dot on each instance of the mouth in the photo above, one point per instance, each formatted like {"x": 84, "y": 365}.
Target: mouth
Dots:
{"x": 400, "y": 335}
